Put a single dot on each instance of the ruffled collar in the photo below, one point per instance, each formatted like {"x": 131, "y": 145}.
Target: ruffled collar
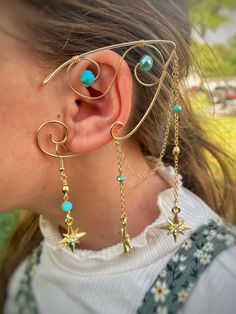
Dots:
{"x": 151, "y": 244}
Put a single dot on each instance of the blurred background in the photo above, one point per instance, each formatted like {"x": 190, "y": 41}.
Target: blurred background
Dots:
{"x": 213, "y": 95}
{"x": 214, "y": 48}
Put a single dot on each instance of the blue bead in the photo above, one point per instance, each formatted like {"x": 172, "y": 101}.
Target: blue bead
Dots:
{"x": 176, "y": 108}
{"x": 120, "y": 178}
{"x": 87, "y": 78}
{"x": 66, "y": 206}
{"x": 146, "y": 63}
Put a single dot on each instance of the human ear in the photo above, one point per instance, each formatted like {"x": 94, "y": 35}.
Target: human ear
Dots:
{"x": 89, "y": 119}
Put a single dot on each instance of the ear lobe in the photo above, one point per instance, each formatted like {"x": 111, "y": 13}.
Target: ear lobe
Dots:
{"x": 89, "y": 120}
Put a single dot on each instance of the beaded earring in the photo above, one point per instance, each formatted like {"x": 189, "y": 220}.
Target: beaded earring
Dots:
{"x": 71, "y": 238}
{"x": 145, "y": 65}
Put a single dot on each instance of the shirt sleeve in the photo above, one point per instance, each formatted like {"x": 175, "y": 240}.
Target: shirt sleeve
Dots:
{"x": 215, "y": 291}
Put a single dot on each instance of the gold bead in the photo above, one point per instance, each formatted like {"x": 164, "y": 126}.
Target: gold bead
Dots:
{"x": 176, "y": 151}
{"x": 65, "y": 189}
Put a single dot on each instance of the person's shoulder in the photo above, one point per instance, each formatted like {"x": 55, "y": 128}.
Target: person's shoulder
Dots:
{"x": 215, "y": 289}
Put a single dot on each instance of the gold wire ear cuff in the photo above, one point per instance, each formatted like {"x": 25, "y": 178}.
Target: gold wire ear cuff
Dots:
{"x": 145, "y": 65}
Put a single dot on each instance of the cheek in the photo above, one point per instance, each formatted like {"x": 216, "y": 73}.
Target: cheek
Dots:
{"x": 20, "y": 158}
{"x": 15, "y": 113}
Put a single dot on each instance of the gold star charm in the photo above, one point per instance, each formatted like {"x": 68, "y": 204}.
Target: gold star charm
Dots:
{"x": 72, "y": 238}
{"x": 175, "y": 227}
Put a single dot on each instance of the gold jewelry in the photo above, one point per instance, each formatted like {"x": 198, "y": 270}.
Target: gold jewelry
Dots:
{"x": 71, "y": 238}
{"x": 145, "y": 64}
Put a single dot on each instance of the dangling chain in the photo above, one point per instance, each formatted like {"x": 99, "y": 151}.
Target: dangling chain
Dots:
{"x": 176, "y": 149}
{"x": 176, "y": 226}
{"x": 123, "y": 218}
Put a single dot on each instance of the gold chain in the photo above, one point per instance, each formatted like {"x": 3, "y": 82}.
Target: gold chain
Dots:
{"x": 176, "y": 150}
{"x": 173, "y": 99}
{"x": 123, "y": 218}
{"x": 119, "y": 161}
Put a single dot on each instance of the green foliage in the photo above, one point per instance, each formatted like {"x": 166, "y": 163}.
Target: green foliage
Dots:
{"x": 207, "y": 14}
{"x": 7, "y": 223}
{"x": 216, "y": 60}
{"x": 221, "y": 130}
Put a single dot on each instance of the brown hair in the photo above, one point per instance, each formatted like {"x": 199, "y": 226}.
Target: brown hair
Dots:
{"x": 58, "y": 30}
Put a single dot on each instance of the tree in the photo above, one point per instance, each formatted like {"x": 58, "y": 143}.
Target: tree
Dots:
{"x": 207, "y": 14}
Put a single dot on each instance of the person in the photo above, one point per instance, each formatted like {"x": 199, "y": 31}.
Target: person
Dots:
{"x": 127, "y": 240}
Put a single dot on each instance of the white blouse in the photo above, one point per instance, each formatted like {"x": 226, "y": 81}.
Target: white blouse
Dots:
{"x": 108, "y": 281}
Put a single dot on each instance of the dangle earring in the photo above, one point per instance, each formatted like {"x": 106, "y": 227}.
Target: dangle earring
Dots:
{"x": 145, "y": 65}
{"x": 176, "y": 225}
{"x": 71, "y": 238}
{"x": 125, "y": 238}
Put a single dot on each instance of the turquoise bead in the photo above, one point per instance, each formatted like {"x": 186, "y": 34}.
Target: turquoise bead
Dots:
{"x": 66, "y": 206}
{"x": 146, "y": 63}
{"x": 87, "y": 78}
{"x": 121, "y": 178}
{"x": 176, "y": 108}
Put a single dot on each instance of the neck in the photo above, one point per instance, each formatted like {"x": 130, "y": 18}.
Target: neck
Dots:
{"x": 95, "y": 193}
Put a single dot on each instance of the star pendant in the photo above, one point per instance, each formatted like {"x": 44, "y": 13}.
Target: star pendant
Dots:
{"x": 176, "y": 227}
{"x": 72, "y": 238}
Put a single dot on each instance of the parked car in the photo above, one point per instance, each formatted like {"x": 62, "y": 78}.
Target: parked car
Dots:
{"x": 221, "y": 94}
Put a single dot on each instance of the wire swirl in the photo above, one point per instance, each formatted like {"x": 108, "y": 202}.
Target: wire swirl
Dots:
{"x": 58, "y": 143}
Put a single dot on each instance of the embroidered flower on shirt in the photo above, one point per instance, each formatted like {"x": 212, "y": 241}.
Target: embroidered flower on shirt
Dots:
{"x": 205, "y": 258}
{"x": 182, "y": 295}
{"x": 198, "y": 253}
{"x": 190, "y": 286}
{"x": 205, "y": 232}
{"x": 182, "y": 267}
{"x": 182, "y": 258}
{"x": 220, "y": 236}
{"x": 162, "y": 310}
{"x": 229, "y": 239}
{"x": 187, "y": 244}
{"x": 175, "y": 258}
{"x": 163, "y": 273}
{"x": 160, "y": 291}
{"x": 212, "y": 233}
{"x": 208, "y": 247}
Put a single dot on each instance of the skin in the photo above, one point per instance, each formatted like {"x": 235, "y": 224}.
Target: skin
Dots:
{"x": 30, "y": 179}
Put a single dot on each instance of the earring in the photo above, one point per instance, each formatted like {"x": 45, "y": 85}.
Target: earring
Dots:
{"x": 71, "y": 238}
{"x": 125, "y": 238}
{"x": 176, "y": 225}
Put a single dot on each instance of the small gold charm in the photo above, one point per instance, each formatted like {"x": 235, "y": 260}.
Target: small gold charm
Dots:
{"x": 175, "y": 227}
{"x": 124, "y": 233}
{"x": 71, "y": 238}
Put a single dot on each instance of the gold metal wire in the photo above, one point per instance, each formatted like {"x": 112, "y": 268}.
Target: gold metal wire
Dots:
{"x": 53, "y": 141}
{"x": 173, "y": 99}
{"x": 173, "y": 59}
{"x": 78, "y": 58}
